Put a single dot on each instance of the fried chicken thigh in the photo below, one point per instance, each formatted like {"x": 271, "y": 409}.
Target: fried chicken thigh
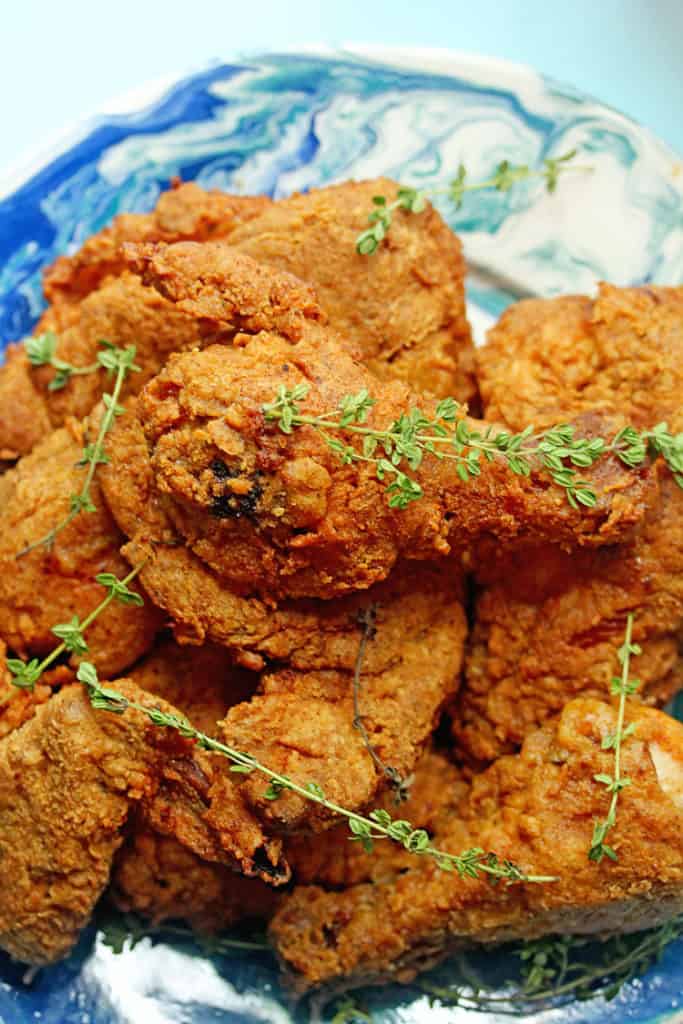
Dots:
{"x": 537, "y": 809}
{"x": 548, "y": 624}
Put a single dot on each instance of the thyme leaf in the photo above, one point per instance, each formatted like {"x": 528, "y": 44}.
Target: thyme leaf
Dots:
{"x": 397, "y": 452}
{"x": 114, "y": 360}
{"x": 414, "y": 200}
{"x": 622, "y": 686}
{"x": 378, "y": 825}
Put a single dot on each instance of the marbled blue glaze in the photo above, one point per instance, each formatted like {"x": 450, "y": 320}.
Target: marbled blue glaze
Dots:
{"x": 278, "y": 123}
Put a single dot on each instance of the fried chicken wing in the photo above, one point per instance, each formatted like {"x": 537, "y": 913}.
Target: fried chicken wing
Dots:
{"x": 281, "y": 515}
{"x": 548, "y": 624}
{"x": 51, "y": 584}
{"x": 537, "y": 809}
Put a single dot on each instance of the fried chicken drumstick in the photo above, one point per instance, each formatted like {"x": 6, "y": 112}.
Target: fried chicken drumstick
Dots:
{"x": 548, "y": 623}
{"x": 281, "y": 515}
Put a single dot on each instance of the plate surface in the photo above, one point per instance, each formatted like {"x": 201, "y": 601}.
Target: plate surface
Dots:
{"x": 278, "y": 123}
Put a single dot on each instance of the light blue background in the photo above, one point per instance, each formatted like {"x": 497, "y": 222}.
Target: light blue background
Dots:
{"x": 60, "y": 61}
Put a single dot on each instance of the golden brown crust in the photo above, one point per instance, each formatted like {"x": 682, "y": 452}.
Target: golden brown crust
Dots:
{"x": 185, "y": 212}
{"x": 281, "y": 515}
{"x": 620, "y": 352}
{"x": 50, "y": 584}
{"x": 403, "y": 308}
{"x": 548, "y": 623}
{"x": 538, "y": 809}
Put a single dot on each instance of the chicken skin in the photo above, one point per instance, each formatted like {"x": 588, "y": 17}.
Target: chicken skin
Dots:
{"x": 536, "y": 808}
{"x": 548, "y": 624}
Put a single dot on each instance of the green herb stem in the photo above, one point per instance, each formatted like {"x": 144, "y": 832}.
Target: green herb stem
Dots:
{"x": 622, "y": 686}
{"x": 25, "y": 675}
{"x": 93, "y": 455}
{"x": 378, "y": 825}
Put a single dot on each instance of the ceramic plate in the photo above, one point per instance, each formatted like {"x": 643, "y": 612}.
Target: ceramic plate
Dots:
{"x": 277, "y": 123}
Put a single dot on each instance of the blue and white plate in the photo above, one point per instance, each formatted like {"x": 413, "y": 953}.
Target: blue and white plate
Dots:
{"x": 281, "y": 122}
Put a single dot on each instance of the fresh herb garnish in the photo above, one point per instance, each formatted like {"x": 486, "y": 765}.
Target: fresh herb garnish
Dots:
{"x": 414, "y": 200}
{"x": 622, "y": 686}
{"x": 121, "y": 930}
{"x": 25, "y": 675}
{"x": 114, "y": 360}
{"x": 560, "y": 969}
{"x": 365, "y": 830}
{"x": 447, "y": 435}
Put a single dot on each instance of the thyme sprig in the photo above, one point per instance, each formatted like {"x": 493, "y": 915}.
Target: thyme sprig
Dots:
{"x": 118, "y": 931}
{"x": 378, "y": 825}
{"x": 414, "y": 200}
{"x": 120, "y": 362}
{"x": 25, "y": 675}
{"x": 447, "y": 435}
{"x": 622, "y": 686}
{"x": 562, "y": 968}
{"x": 400, "y": 785}
{"x": 41, "y": 351}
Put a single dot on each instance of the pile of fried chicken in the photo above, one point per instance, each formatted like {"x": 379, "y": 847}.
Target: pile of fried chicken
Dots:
{"x": 498, "y": 608}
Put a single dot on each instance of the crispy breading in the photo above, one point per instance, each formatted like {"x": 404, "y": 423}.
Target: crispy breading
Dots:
{"x": 537, "y": 809}
{"x": 548, "y": 624}
{"x": 403, "y": 308}
{"x": 52, "y": 583}
{"x": 620, "y": 352}
{"x": 186, "y": 211}
{"x": 281, "y": 515}
{"x": 69, "y": 777}
{"x": 124, "y": 311}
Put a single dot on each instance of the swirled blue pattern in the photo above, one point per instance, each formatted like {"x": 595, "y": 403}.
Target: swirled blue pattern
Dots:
{"x": 283, "y": 122}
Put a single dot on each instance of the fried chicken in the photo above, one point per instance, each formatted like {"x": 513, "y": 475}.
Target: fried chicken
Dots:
{"x": 69, "y": 777}
{"x": 51, "y": 584}
{"x": 186, "y": 211}
{"x": 281, "y": 515}
{"x": 537, "y": 809}
{"x": 548, "y": 624}
{"x": 124, "y": 311}
{"x": 154, "y": 875}
{"x": 403, "y": 308}
{"x": 620, "y": 352}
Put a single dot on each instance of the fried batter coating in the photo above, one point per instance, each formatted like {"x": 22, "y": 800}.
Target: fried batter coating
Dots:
{"x": 621, "y": 352}
{"x": 124, "y": 311}
{"x": 69, "y": 777}
{"x": 403, "y": 308}
{"x": 301, "y": 722}
{"x": 548, "y": 625}
{"x": 184, "y": 212}
{"x": 50, "y": 585}
{"x": 537, "y": 809}
{"x": 281, "y": 515}
{"x": 154, "y": 875}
